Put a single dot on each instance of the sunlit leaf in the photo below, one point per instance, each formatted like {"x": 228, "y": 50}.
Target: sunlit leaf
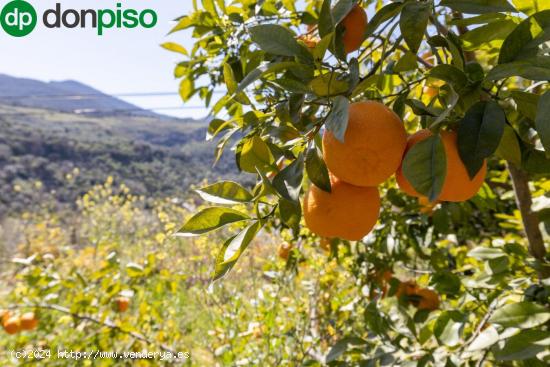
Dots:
{"x": 210, "y": 219}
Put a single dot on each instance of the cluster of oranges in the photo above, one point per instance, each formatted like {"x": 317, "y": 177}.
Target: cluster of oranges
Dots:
{"x": 13, "y": 324}
{"x": 373, "y": 149}
{"x": 375, "y": 143}
{"x": 409, "y": 292}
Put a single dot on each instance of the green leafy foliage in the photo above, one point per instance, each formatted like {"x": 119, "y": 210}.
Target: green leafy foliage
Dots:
{"x": 425, "y": 166}
{"x": 479, "y": 134}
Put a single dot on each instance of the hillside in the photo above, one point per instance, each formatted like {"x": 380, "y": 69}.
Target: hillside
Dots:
{"x": 65, "y": 96}
{"x": 47, "y": 154}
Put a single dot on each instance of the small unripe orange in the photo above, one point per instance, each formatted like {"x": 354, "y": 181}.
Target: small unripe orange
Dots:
{"x": 122, "y": 304}
{"x": 29, "y": 321}
{"x": 12, "y": 325}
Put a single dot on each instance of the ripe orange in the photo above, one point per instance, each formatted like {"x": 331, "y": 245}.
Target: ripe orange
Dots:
{"x": 122, "y": 304}
{"x": 284, "y": 250}
{"x": 12, "y": 325}
{"x": 355, "y": 24}
{"x": 348, "y": 212}
{"x": 427, "y": 300}
{"x": 406, "y": 288}
{"x": 29, "y": 321}
{"x": 373, "y": 146}
{"x": 457, "y": 185}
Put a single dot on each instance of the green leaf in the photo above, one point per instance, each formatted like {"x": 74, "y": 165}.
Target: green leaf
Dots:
{"x": 527, "y": 103}
{"x": 225, "y": 192}
{"x": 478, "y": 6}
{"x": 413, "y": 23}
{"x": 288, "y": 182}
{"x": 186, "y": 89}
{"x": 448, "y": 328}
{"x": 265, "y": 69}
{"x": 486, "y": 253}
{"x": 321, "y": 48}
{"x": 531, "y": 7}
{"x": 342, "y": 347}
{"x": 255, "y": 153}
{"x": 278, "y": 40}
{"x": 478, "y": 19}
{"x": 509, "y": 148}
{"x": 535, "y": 162}
{"x": 523, "y": 315}
{"x": 341, "y": 9}
{"x": 450, "y": 74}
{"x": 233, "y": 248}
{"x": 229, "y": 78}
{"x": 485, "y": 339}
{"x": 523, "y": 42}
{"x": 406, "y": 63}
{"x": 537, "y": 68}
{"x": 425, "y": 166}
{"x": 325, "y": 23}
{"x": 134, "y": 270}
{"x": 210, "y": 219}
{"x": 385, "y": 13}
{"x": 174, "y": 47}
{"x": 487, "y": 36}
{"x": 328, "y": 84}
{"x": 290, "y": 213}
{"x": 337, "y": 119}
{"x": 183, "y": 23}
{"x": 479, "y": 134}
{"x": 419, "y": 108}
{"x": 316, "y": 169}
{"x": 525, "y": 345}
{"x": 542, "y": 122}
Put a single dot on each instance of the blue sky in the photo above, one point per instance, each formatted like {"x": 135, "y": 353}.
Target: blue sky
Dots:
{"x": 120, "y": 61}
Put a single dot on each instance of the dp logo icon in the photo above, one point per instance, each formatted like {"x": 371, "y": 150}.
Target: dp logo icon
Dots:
{"x": 18, "y": 18}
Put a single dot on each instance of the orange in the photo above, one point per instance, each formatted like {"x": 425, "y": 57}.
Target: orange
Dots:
{"x": 355, "y": 24}
{"x": 122, "y": 304}
{"x": 457, "y": 185}
{"x": 4, "y": 315}
{"x": 373, "y": 146}
{"x": 427, "y": 300}
{"x": 406, "y": 288}
{"x": 348, "y": 212}
{"x": 284, "y": 250}
{"x": 12, "y": 325}
{"x": 29, "y": 321}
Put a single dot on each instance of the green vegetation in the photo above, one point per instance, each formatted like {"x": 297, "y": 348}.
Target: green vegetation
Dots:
{"x": 52, "y": 158}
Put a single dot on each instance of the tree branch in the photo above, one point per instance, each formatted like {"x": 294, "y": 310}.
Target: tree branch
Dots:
{"x": 520, "y": 181}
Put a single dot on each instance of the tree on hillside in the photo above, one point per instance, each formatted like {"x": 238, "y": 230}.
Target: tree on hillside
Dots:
{"x": 413, "y": 142}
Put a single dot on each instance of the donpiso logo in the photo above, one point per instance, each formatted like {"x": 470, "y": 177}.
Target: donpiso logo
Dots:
{"x": 18, "y": 18}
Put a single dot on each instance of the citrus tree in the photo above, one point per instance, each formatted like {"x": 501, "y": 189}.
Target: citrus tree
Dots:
{"x": 409, "y": 137}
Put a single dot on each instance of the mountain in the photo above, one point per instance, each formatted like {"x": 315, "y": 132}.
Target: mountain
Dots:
{"x": 64, "y": 96}
{"x": 51, "y": 156}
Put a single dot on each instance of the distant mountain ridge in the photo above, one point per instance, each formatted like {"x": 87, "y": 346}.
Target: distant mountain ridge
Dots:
{"x": 65, "y": 96}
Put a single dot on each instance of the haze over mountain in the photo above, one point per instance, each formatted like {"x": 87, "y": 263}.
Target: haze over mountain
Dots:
{"x": 65, "y": 96}
{"x": 49, "y": 153}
